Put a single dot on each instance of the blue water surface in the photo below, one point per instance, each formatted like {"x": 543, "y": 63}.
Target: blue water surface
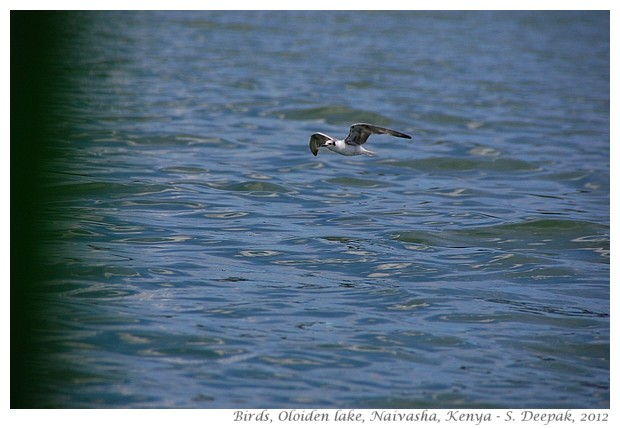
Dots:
{"x": 198, "y": 255}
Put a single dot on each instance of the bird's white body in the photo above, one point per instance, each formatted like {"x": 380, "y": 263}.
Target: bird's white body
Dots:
{"x": 348, "y": 150}
{"x": 352, "y": 144}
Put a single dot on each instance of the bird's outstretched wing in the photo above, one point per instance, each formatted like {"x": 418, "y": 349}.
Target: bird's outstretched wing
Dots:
{"x": 359, "y": 133}
{"x": 316, "y": 141}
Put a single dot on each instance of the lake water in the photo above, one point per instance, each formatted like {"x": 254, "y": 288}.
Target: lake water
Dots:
{"x": 196, "y": 254}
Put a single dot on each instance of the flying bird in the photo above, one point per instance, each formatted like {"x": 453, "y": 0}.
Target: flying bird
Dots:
{"x": 352, "y": 144}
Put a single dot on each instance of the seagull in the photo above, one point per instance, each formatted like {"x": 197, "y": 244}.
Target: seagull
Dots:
{"x": 352, "y": 145}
